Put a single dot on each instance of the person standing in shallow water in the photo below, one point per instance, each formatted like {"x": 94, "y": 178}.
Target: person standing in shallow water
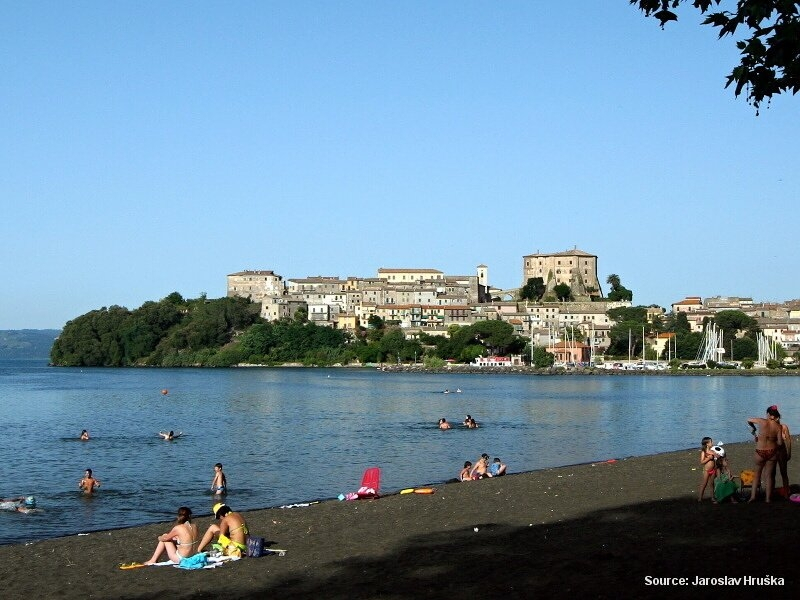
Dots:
{"x": 219, "y": 485}
{"x": 768, "y": 444}
{"x": 88, "y": 484}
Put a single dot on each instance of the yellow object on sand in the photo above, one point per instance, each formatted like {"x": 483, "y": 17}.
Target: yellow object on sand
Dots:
{"x": 407, "y": 491}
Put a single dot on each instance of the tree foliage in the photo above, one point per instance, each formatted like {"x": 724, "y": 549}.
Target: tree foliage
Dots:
{"x": 118, "y": 337}
{"x": 542, "y": 358}
{"x": 618, "y": 291}
{"x": 563, "y": 292}
{"x": 534, "y": 289}
{"x": 626, "y": 333}
{"x": 770, "y": 56}
{"x": 465, "y": 343}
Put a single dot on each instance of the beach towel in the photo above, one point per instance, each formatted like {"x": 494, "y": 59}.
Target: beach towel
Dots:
{"x": 724, "y": 487}
{"x": 196, "y": 561}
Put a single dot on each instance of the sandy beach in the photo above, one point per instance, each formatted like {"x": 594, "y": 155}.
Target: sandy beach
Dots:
{"x": 601, "y": 530}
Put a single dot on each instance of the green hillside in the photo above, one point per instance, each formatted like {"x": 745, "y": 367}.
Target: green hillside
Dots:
{"x": 27, "y": 343}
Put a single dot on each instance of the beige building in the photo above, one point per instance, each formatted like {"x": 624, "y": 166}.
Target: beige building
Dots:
{"x": 660, "y": 341}
{"x": 576, "y": 268}
{"x": 255, "y": 285}
{"x": 396, "y": 276}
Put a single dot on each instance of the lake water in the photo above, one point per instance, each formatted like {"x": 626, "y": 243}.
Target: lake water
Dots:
{"x": 293, "y": 435}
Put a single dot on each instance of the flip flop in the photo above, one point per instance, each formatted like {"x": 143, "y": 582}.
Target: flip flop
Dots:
{"x": 132, "y": 565}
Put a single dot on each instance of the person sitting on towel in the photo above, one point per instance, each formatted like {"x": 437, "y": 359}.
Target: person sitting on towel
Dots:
{"x": 232, "y": 531}
{"x": 180, "y": 541}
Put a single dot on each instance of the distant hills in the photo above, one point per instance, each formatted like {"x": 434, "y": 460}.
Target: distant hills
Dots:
{"x": 27, "y": 343}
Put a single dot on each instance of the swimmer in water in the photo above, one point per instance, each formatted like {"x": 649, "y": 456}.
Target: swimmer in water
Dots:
{"x": 443, "y": 424}
{"x": 84, "y": 435}
{"x": 23, "y": 504}
{"x": 167, "y": 436}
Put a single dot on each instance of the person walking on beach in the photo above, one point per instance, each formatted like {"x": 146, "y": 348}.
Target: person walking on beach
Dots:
{"x": 232, "y": 531}
{"x": 180, "y": 541}
{"x": 709, "y": 466}
{"x": 768, "y": 445}
{"x": 219, "y": 485}
{"x": 88, "y": 484}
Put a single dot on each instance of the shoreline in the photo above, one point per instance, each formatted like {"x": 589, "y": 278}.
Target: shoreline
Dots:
{"x": 586, "y": 529}
{"x": 473, "y": 370}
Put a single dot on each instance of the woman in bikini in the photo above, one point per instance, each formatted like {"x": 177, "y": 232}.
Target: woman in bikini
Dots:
{"x": 180, "y": 542}
{"x": 232, "y": 531}
{"x": 709, "y": 465}
{"x": 768, "y": 444}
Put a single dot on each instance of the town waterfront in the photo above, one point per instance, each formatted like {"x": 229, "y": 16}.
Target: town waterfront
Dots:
{"x": 295, "y": 435}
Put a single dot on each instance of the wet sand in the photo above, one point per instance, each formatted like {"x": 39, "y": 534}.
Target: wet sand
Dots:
{"x": 597, "y": 530}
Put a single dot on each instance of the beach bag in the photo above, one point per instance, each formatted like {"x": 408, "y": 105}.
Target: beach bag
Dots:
{"x": 724, "y": 487}
{"x": 255, "y": 546}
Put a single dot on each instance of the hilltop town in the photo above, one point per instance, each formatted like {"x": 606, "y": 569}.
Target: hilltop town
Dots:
{"x": 430, "y": 301}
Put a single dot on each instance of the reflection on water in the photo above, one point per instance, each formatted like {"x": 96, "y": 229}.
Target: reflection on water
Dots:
{"x": 288, "y": 435}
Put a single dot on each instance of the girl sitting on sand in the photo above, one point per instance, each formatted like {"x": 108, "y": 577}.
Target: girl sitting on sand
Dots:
{"x": 179, "y": 542}
{"x": 709, "y": 466}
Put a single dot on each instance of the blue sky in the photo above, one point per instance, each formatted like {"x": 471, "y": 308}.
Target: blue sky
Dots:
{"x": 153, "y": 147}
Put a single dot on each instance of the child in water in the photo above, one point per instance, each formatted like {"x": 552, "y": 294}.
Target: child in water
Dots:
{"x": 219, "y": 485}
{"x": 709, "y": 466}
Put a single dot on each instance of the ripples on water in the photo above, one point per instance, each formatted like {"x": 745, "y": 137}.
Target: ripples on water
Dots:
{"x": 290, "y": 435}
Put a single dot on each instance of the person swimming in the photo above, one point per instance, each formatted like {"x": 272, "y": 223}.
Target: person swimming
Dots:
{"x": 84, "y": 435}
{"x": 171, "y": 435}
{"x": 23, "y": 504}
